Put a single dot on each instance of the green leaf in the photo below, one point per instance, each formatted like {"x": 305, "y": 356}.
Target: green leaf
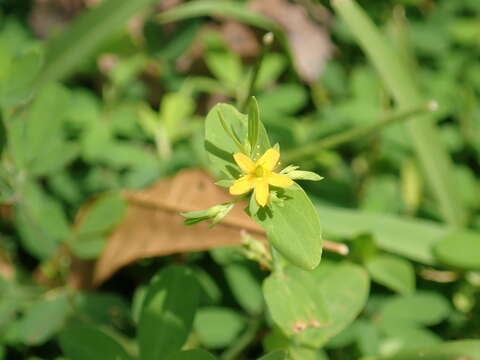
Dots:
{"x": 85, "y": 35}
{"x": 245, "y": 287}
{"x": 103, "y": 215}
{"x": 253, "y": 123}
{"x": 273, "y": 65}
{"x": 195, "y": 354}
{"x": 16, "y": 84}
{"x": 367, "y": 337}
{"x": 89, "y": 237}
{"x": 237, "y": 11}
{"x": 210, "y": 291}
{"x": 460, "y": 249}
{"x": 283, "y": 99}
{"x": 404, "y": 236}
{"x": 3, "y": 135}
{"x": 295, "y": 302}
{"x": 41, "y": 222}
{"x": 88, "y": 246}
{"x": 175, "y": 111}
{"x": 226, "y": 183}
{"x": 393, "y": 272}
{"x": 401, "y": 83}
{"x": 345, "y": 288}
{"x": 168, "y": 312}
{"x": 104, "y": 308}
{"x": 220, "y": 146}
{"x": 275, "y": 355}
{"x": 227, "y": 67}
{"x": 293, "y": 227}
{"x": 55, "y": 157}
{"x": 421, "y": 308}
{"x": 43, "y": 319}
{"x": 298, "y": 352}
{"x": 87, "y": 342}
{"x": 409, "y": 337}
{"x": 10, "y": 301}
{"x": 36, "y": 137}
{"x": 217, "y": 327}
{"x": 468, "y": 349}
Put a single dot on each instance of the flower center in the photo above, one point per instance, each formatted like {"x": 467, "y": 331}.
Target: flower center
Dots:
{"x": 259, "y": 171}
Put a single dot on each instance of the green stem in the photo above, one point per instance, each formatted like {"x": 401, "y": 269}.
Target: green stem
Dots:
{"x": 349, "y": 135}
{"x": 267, "y": 44}
{"x": 243, "y": 341}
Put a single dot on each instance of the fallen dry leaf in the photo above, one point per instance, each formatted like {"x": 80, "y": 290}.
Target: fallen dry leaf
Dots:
{"x": 238, "y": 37}
{"x": 7, "y": 271}
{"x": 309, "y": 40}
{"x": 6, "y": 212}
{"x": 49, "y": 16}
{"x": 154, "y": 227}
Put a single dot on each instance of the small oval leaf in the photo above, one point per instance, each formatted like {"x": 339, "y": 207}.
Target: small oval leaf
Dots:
{"x": 345, "y": 288}
{"x": 295, "y": 303}
{"x": 293, "y": 227}
{"x": 392, "y": 272}
{"x": 194, "y": 354}
{"x": 167, "y": 314}
{"x": 85, "y": 342}
{"x": 460, "y": 249}
{"x": 462, "y": 349}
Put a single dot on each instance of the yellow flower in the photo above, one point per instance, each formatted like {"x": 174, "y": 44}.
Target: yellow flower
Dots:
{"x": 259, "y": 175}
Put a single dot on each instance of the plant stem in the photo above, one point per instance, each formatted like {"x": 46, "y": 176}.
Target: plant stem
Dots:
{"x": 349, "y": 135}
{"x": 267, "y": 44}
{"x": 243, "y": 341}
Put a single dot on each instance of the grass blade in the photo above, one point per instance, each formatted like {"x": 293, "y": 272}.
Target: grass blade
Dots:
{"x": 431, "y": 152}
{"x": 228, "y": 9}
{"x": 73, "y": 46}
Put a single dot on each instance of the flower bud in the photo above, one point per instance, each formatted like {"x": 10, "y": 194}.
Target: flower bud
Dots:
{"x": 217, "y": 213}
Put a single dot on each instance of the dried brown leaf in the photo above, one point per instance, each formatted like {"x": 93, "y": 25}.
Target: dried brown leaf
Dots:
{"x": 153, "y": 226}
{"x": 49, "y": 16}
{"x": 240, "y": 38}
{"x": 7, "y": 271}
{"x": 309, "y": 40}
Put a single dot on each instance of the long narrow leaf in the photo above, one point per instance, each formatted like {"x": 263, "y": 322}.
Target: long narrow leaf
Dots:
{"x": 228, "y": 9}
{"x": 67, "y": 51}
{"x": 431, "y": 152}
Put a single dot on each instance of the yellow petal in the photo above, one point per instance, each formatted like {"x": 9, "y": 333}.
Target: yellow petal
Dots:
{"x": 245, "y": 163}
{"x": 261, "y": 193}
{"x": 241, "y": 186}
{"x": 279, "y": 180}
{"x": 270, "y": 159}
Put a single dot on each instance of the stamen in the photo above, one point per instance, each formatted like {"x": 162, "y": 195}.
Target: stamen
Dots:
{"x": 259, "y": 172}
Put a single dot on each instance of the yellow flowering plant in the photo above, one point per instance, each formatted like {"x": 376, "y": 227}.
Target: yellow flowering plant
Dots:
{"x": 259, "y": 175}
{"x": 239, "y": 150}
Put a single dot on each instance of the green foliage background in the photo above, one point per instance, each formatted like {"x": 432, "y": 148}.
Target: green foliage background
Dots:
{"x": 93, "y": 110}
